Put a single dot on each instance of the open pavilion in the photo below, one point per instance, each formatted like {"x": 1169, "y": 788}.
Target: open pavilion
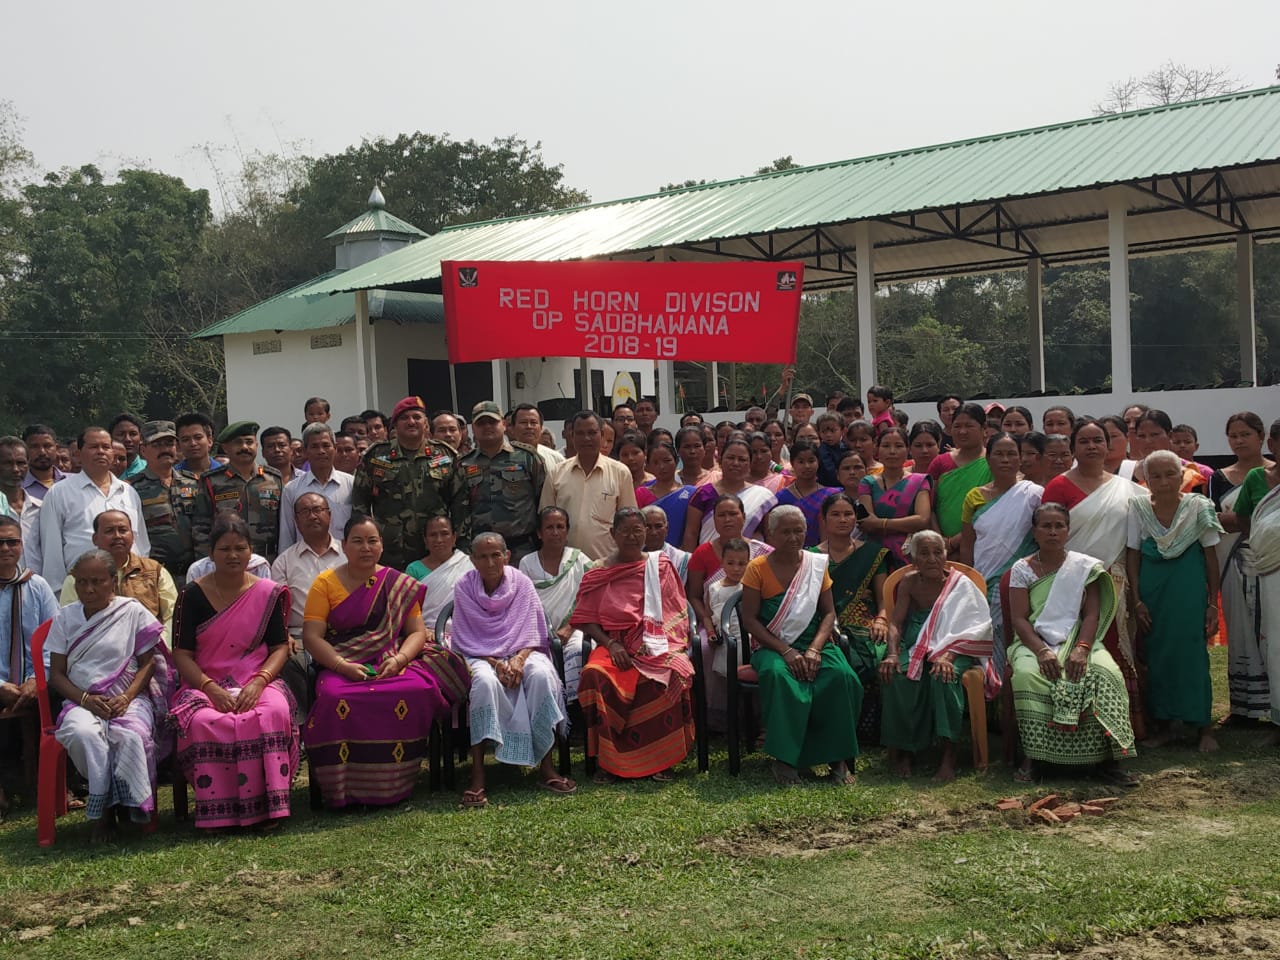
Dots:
{"x": 1198, "y": 174}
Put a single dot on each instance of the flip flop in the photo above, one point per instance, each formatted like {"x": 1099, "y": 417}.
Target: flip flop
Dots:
{"x": 848, "y": 780}
{"x": 474, "y": 799}
{"x": 1119, "y": 778}
{"x": 662, "y": 776}
{"x": 1024, "y": 776}
{"x": 75, "y": 803}
{"x": 562, "y": 786}
{"x": 603, "y": 777}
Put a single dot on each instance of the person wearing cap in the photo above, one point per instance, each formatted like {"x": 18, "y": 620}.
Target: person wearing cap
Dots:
{"x": 504, "y": 481}
{"x": 801, "y": 409}
{"x": 168, "y": 498}
{"x": 404, "y": 481}
{"x": 242, "y": 486}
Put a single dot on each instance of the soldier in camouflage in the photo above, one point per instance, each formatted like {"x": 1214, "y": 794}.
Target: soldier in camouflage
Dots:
{"x": 504, "y": 482}
{"x": 242, "y": 485}
{"x": 405, "y": 481}
{"x": 168, "y": 499}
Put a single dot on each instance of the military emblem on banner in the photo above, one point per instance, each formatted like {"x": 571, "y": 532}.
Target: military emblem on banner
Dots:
{"x": 470, "y": 277}
{"x": 786, "y": 279}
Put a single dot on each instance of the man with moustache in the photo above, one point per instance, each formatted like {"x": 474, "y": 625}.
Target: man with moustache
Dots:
{"x": 251, "y": 490}
{"x": 504, "y": 482}
{"x": 42, "y": 470}
{"x": 405, "y": 481}
{"x": 277, "y": 451}
{"x": 69, "y": 508}
{"x": 526, "y": 426}
{"x": 168, "y": 499}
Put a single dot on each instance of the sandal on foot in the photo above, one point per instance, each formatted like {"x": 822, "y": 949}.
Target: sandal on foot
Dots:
{"x": 1116, "y": 777}
{"x": 603, "y": 777}
{"x": 474, "y": 799}
{"x": 562, "y": 786}
{"x": 75, "y": 803}
{"x": 663, "y": 776}
{"x": 1024, "y": 776}
{"x": 848, "y": 779}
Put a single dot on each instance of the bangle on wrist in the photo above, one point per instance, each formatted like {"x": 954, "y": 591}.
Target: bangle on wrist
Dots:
{"x": 83, "y": 697}
{"x": 206, "y": 681}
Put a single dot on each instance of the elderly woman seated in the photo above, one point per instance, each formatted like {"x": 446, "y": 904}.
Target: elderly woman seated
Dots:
{"x": 636, "y": 685}
{"x": 376, "y": 699}
{"x": 1069, "y": 694}
{"x": 102, "y": 659}
{"x": 517, "y": 702}
{"x": 237, "y": 741}
{"x": 810, "y": 697}
{"x": 940, "y": 619}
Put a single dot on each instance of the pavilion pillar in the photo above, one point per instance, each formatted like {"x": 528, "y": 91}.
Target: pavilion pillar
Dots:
{"x": 584, "y": 374}
{"x": 1118, "y": 263}
{"x": 865, "y": 265}
{"x": 665, "y": 370}
{"x": 363, "y": 350}
{"x": 501, "y": 389}
{"x": 713, "y": 384}
{"x": 1245, "y": 315}
{"x": 1035, "y": 324}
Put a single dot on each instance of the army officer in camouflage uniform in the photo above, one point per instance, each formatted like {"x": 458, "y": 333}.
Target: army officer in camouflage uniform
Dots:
{"x": 242, "y": 485}
{"x": 504, "y": 482}
{"x": 405, "y": 481}
{"x": 168, "y": 499}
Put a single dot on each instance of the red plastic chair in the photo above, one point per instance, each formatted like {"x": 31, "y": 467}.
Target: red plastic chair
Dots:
{"x": 51, "y": 794}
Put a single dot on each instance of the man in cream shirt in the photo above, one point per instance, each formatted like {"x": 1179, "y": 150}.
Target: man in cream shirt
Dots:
{"x": 590, "y": 487}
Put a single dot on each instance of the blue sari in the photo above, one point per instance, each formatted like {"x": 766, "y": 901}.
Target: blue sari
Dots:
{"x": 675, "y": 505}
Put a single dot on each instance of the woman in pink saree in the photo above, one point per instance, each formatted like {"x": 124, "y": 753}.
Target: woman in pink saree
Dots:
{"x": 237, "y": 743}
{"x": 378, "y": 694}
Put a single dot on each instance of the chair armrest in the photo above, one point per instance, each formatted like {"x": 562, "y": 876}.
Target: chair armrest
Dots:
{"x": 442, "y": 621}
{"x": 557, "y": 651}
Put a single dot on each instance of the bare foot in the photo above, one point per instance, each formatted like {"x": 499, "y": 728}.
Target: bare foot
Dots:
{"x": 1208, "y": 744}
{"x": 785, "y": 774}
{"x": 1156, "y": 741}
{"x": 104, "y": 828}
{"x": 900, "y": 763}
{"x": 947, "y": 768}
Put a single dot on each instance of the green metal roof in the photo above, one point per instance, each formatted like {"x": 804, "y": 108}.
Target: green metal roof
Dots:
{"x": 300, "y": 308}
{"x": 1221, "y": 133}
{"x": 376, "y": 220}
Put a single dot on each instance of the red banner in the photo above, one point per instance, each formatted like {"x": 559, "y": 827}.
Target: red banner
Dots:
{"x": 730, "y": 312}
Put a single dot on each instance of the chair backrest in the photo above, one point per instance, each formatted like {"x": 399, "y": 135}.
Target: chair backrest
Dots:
{"x": 732, "y": 608}
{"x": 442, "y": 621}
{"x": 889, "y": 596}
{"x": 42, "y": 682}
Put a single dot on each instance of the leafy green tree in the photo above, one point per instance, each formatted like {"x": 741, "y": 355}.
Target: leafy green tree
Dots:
{"x": 99, "y": 258}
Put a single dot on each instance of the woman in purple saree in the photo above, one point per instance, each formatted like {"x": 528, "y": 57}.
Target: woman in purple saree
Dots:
{"x": 103, "y": 660}
{"x": 237, "y": 742}
{"x": 378, "y": 693}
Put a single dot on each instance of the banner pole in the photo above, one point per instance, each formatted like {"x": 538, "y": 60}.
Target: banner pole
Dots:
{"x": 584, "y": 366}
{"x": 453, "y": 387}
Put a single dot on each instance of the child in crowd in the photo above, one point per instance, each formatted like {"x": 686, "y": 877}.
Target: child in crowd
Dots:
{"x": 880, "y": 406}
{"x": 734, "y": 557}
{"x": 831, "y": 446}
{"x": 316, "y": 410}
{"x": 1184, "y": 441}
{"x": 860, "y": 436}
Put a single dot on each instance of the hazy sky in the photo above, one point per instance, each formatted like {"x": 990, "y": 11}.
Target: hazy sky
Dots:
{"x": 626, "y": 96}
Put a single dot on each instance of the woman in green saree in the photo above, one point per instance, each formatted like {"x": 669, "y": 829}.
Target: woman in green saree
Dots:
{"x": 1070, "y": 696}
{"x": 1173, "y": 579}
{"x": 810, "y": 698}
{"x": 956, "y": 472}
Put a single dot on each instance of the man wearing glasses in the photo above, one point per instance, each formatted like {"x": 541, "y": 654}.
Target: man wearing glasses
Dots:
{"x": 315, "y": 551}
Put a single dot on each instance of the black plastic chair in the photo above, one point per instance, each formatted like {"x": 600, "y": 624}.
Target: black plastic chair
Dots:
{"x": 699, "y": 697}
{"x": 443, "y": 736}
{"x": 738, "y": 686}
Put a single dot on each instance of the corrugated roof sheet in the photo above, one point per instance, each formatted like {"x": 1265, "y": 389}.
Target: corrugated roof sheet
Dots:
{"x": 374, "y": 221}
{"x": 1217, "y": 133}
{"x": 300, "y": 309}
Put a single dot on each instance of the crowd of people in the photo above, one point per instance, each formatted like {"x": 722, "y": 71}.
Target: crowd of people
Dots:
{"x": 243, "y": 598}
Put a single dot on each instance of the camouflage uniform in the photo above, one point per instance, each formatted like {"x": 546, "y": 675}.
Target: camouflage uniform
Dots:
{"x": 257, "y": 500}
{"x": 504, "y": 492}
{"x": 167, "y": 512}
{"x": 403, "y": 490}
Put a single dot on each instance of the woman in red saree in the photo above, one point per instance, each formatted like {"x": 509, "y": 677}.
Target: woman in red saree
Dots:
{"x": 376, "y": 699}
{"x": 237, "y": 743}
{"x": 635, "y": 690}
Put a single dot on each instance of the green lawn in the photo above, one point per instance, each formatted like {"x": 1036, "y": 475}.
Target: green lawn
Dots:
{"x": 707, "y": 866}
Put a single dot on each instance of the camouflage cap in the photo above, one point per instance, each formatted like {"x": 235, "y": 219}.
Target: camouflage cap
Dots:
{"x": 157, "y": 430}
{"x": 486, "y": 408}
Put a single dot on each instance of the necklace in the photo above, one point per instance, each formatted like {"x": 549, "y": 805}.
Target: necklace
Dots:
{"x": 1045, "y": 569}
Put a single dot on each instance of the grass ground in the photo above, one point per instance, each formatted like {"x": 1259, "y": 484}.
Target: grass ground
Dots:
{"x": 709, "y": 866}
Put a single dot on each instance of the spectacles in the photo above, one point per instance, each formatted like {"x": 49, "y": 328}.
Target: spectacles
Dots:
{"x": 10, "y": 543}
{"x": 311, "y": 511}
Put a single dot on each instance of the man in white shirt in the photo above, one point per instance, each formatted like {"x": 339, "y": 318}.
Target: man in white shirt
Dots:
{"x": 322, "y": 478}
{"x": 68, "y": 510}
{"x": 317, "y": 550}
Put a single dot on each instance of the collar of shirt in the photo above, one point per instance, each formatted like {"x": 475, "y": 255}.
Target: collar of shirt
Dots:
{"x": 31, "y": 479}
{"x": 334, "y": 547}
{"x": 309, "y": 479}
{"x": 132, "y": 567}
{"x": 599, "y": 465}
{"x": 85, "y": 481}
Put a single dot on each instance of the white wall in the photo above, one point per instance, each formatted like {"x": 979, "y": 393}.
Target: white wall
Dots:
{"x": 271, "y": 388}
{"x": 549, "y": 377}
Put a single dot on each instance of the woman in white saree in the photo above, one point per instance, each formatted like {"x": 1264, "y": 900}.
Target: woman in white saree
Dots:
{"x": 440, "y": 570}
{"x": 556, "y": 570}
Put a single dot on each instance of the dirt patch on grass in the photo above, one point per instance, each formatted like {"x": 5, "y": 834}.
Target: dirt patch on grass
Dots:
{"x": 1166, "y": 793}
{"x": 1245, "y": 937}
{"x": 246, "y": 892}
